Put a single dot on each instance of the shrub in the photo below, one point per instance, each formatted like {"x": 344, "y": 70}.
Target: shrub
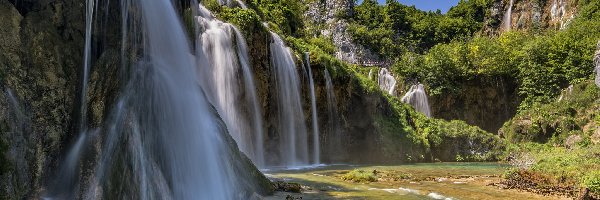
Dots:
{"x": 360, "y": 176}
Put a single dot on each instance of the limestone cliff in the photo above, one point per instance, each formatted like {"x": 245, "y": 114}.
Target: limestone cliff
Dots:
{"x": 529, "y": 15}
{"x": 327, "y": 19}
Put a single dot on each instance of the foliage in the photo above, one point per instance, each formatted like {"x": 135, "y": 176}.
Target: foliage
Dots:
{"x": 360, "y": 176}
{"x": 555, "y": 121}
{"x": 286, "y": 14}
{"x": 579, "y": 166}
{"x": 592, "y": 181}
{"x": 393, "y": 29}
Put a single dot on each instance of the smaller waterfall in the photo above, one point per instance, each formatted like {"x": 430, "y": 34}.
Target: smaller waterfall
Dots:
{"x": 313, "y": 104}
{"x": 387, "y": 82}
{"x": 370, "y": 74}
{"x": 334, "y": 132}
{"x": 293, "y": 144}
{"x": 508, "y": 17}
{"x": 417, "y": 98}
{"x": 66, "y": 182}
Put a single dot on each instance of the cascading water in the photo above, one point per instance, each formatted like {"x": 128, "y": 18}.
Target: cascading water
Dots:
{"x": 313, "y": 104}
{"x": 417, "y": 98}
{"x": 162, "y": 140}
{"x": 387, "y": 82}
{"x": 370, "y": 74}
{"x": 293, "y": 144}
{"x": 243, "y": 118}
{"x": 508, "y": 17}
{"x": 67, "y": 177}
{"x": 333, "y": 127}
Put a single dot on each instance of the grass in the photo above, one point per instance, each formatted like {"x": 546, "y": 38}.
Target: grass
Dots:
{"x": 360, "y": 176}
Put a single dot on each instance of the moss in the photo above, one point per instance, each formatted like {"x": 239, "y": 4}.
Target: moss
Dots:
{"x": 592, "y": 181}
{"x": 360, "y": 176}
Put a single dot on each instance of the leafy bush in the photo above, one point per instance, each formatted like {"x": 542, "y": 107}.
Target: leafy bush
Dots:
{"x": 360, "y": 176}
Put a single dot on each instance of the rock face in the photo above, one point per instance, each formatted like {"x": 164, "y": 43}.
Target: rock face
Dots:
{"x": 530, "y": 15}
{"x": 473, "y": 106}
{"x": 40, "y": 47}
{"x": 597, "y": 63}
{"x": 327, "y": 20}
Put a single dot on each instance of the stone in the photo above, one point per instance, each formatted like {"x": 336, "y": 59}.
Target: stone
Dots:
{"x": 597, "y": 64}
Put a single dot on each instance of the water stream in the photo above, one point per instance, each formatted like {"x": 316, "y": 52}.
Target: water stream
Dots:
{"x": 293, "y": 142}
{"x": 333, "y": 127}
{"x": 508, "y": 17}
{"x": 313, "y": 104}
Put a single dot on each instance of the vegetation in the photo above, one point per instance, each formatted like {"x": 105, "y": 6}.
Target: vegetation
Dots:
{"x": 393, "y": 29}
{"x": 360, "y": 176}
{"x": 574, "y": 113}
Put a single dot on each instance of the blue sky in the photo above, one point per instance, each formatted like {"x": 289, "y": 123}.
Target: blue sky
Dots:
{"x": 427, "y": 5}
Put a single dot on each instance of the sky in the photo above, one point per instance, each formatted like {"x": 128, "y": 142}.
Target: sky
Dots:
{"x": 427, "y": 5}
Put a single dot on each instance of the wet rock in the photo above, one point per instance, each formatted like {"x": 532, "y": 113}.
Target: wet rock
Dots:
{"x": 287, "y": 187}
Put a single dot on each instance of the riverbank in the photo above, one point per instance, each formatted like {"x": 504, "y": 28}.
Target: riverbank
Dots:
{"x": 410, "y": 181}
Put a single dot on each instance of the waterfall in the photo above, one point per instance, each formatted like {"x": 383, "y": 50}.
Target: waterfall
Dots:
{"x": 235, "y": 100}
{"x": 313, "y": 104}
{"x": 417, "y": 98}
{"x": 66, "y": 180}
{"x": 387, "y": 82}
{"x": 334, "y": 123}
{"x": 163, "y": 139}
{"x": 508, "y": 17}
{"x": 370, "y": 74}
{"x": 293, "y": 142}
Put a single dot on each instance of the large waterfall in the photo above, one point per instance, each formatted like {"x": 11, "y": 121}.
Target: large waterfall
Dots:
{"x": 313, "y": 105}
{"x": 293, "y": 141}
{"x": 387, "y": 82}
{"x": 417, "y": 98}
{"x": 235, "y": 99}
{"x": 162, "y": 140}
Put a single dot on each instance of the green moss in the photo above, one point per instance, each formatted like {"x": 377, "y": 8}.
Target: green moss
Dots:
{"x": 592, "y": 181}
{"x": 360, "y": 176}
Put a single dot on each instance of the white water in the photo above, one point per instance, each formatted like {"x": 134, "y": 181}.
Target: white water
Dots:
{"x": 313, "y": 104}
{"x": 508, "y": 17}
{"x": 235, "y": 100}
{"x": 387, "y": 82}
{"x": 333, "y": 127}
{"x": 163, "y": 127}
{"x": 293, "y": 141}
{"x": 557, "y": 10}
{"x": 370, "y": 74}
{"x": 417, "y": 98}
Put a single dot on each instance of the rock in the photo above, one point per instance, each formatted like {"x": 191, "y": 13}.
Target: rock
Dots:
{"x": 571, "y": 141}
{"x": 331, "y": 14}
{"x": 595, "y": 138}
{"x": 287, "y": 187}
{"x": 597, "y": 63}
